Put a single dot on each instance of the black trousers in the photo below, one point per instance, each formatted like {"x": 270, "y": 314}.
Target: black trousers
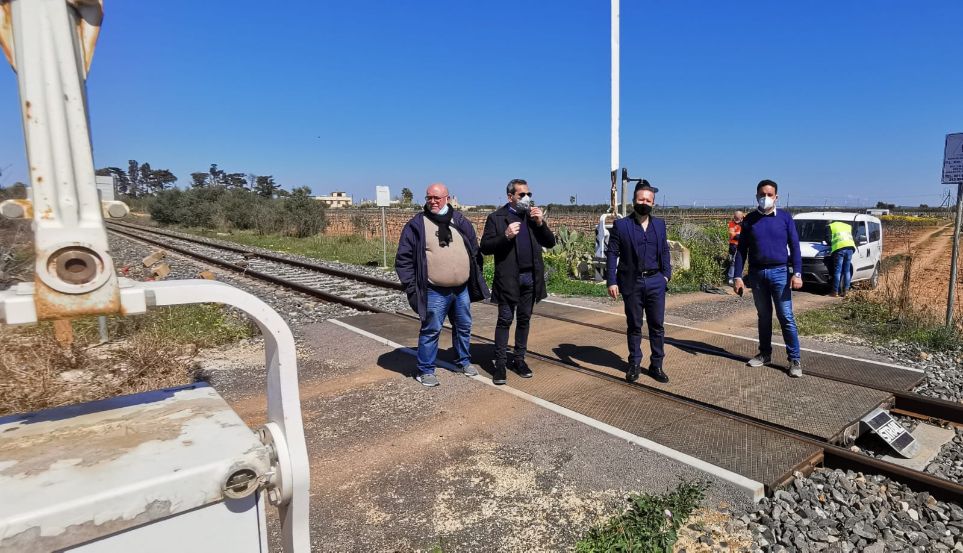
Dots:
{"x": 648, "y": 297}
{"x": 509, "y": 311}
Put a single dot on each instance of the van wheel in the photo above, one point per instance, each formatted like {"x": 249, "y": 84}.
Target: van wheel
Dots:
{"x": 874, "y": 280}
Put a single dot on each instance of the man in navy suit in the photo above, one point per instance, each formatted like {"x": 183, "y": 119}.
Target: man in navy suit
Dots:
{"x": 638, "y": 266}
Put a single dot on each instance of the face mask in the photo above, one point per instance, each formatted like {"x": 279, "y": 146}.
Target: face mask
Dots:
{"x": 441, "y": 211}
{"x": 765, "y": 203}
{"x": 643, "y": 209}
{"x": 524, "y": 204}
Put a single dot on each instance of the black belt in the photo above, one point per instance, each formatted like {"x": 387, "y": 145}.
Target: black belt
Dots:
{"x": 650, "y": 272}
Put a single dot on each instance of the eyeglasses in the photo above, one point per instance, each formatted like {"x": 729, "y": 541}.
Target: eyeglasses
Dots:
{"x": 435, "y": 198}
{"x": 523, "y": 194}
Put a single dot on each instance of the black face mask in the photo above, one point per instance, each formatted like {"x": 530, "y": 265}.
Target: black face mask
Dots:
{"x": 643, "y": 209}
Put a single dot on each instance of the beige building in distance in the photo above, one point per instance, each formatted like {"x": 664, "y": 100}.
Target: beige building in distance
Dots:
{"x": 335, "y": 200}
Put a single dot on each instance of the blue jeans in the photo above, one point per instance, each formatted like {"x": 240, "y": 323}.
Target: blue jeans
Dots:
{"x": 772, "y": 287}
{"x": 731, "y": 260}
{"x": 844, "y": 263}
{"x": 456, "y": 305}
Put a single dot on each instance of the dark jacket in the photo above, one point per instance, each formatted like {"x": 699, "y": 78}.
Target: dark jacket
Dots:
{"x": 505, "y": 285}
{"x": 412, "y": 267}
{"x": 624, "y": 249}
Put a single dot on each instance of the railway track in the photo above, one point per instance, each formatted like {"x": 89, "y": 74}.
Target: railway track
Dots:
{"x": 366, "y": 293}
{"x": 349, "y": 288}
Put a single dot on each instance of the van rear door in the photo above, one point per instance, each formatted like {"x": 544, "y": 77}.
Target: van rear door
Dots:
{"x": 863, "y": 259}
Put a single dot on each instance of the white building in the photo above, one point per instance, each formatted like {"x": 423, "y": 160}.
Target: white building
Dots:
{"x": 335, "y": 200}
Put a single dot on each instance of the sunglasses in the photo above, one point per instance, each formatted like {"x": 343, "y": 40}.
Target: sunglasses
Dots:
{"x": 435, "y": 198}
{"x": 523, "y": 194}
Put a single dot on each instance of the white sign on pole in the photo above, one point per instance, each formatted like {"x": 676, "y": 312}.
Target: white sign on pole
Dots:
{"x": 384, "y": 196}
{"x": 953, "y": 159}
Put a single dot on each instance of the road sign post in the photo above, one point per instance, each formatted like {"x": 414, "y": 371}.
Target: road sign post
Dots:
{"x": 384, "y": 200}
{"x": 953, "y": 174}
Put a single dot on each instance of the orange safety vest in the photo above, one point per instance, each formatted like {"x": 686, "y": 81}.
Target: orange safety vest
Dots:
{"x": 734, "y": 230}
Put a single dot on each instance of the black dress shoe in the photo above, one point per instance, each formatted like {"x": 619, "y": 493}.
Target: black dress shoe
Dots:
{"x": 633, "y": 373}
{"x": 658, "y": 375}
{"x": 522, "y": 368}
{"x": 498, "y": 374}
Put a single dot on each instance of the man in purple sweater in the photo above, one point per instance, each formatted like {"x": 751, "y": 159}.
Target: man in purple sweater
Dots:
{"x": 769, "y": 241}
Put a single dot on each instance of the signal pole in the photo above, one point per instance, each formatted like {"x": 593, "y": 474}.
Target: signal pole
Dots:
{"x": 615, "y": 106}
{"x": 951, "y": 296}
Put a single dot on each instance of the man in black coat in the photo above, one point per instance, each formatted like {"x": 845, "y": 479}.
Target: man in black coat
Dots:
{"x": 515, "y": 234}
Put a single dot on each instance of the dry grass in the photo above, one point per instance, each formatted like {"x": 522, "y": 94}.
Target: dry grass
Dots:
{"x": 16, "y": 254}
{"x": 37, "y": 372}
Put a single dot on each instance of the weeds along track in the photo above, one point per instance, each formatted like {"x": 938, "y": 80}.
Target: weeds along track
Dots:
{"x": 353, "y": 289}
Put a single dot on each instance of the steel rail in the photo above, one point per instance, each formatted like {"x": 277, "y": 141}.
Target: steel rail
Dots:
{"x": 321, "y": 294}
{"x": 384, "y": 283}
{"x": 909, "y": 403}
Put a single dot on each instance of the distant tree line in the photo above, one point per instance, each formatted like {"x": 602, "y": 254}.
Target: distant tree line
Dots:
{"x": 220, "y": 206}
{"x": 141, "y": 180}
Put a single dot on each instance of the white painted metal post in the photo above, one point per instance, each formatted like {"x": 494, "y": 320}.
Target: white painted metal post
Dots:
{"x": 615, "y": 105}
{"x": 52, "y": 45}
{"x": 951, "y": 295}
{"x": 384, "y": 239}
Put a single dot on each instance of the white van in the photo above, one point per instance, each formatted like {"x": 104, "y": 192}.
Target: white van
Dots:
{"x": 813, "y": 230}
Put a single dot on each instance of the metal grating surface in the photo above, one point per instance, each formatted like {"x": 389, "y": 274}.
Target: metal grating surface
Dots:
{"x": 818, "y": 364}
{"x": 819, "y": 407}
{"x": 745, "y": 449}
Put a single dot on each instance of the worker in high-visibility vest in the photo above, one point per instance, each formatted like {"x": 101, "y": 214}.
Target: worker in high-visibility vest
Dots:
{"x": 841, "y": 246}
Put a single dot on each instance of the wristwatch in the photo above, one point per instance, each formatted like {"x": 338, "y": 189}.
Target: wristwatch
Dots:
{"x": 797, "y": 275}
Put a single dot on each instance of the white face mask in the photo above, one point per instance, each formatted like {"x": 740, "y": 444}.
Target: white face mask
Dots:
{"x": 765, "y": 203}
{"x": 443, "y": 210}
{"x": 523, "y": 204}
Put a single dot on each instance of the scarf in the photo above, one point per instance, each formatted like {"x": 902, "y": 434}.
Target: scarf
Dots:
{"x": 444, "y": 225}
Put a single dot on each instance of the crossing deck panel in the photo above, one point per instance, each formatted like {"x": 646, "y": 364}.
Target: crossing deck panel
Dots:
{"x": 743, "y": 448}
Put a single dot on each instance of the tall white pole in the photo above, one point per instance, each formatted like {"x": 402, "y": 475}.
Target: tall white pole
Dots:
{"x": 615, "y": 103}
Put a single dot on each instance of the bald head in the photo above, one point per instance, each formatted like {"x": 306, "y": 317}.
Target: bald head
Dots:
{"x": 436, "y": 197}
{"x": 738, "y": 216}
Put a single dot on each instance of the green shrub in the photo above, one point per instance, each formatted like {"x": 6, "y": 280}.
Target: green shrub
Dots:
{"x": 215, "y": 207}
{"x": 166, "y": 206}
{"x": 576, "y": 249}
{"x": 708, "y": 252}
{"x": 649, "y": 525}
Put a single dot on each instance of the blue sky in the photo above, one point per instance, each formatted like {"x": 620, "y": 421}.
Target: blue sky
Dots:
{"x": 840, "y": 102}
